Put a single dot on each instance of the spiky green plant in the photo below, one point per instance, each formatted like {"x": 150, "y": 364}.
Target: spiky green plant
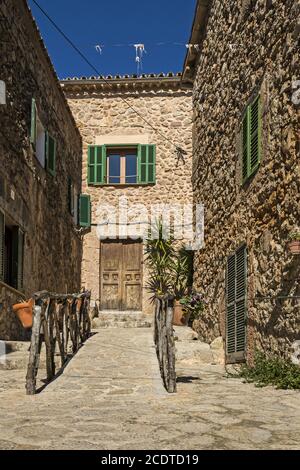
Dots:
{"x": 160, "y": 255}
{"x": 182, "y": 273}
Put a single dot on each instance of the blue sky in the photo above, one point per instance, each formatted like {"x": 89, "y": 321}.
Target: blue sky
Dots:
{"x": 110, "y": 22}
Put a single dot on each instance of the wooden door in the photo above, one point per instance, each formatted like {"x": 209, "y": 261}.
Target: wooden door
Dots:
{"x": 121, "y": 275}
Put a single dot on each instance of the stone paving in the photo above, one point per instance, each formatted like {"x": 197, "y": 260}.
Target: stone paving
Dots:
{"x": 110, "y": 396}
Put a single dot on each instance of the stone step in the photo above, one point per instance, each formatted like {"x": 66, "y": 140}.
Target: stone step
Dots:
{"x": 190, "y": 351}
{"x": 19, "y": 360}
{"x": 113, "y": 319}
{"x": 99, "y": 323}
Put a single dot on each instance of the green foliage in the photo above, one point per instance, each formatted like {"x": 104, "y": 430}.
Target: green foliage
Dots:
{"x": 193, "y": 304}
{"x": 182, "y": 272}
{"x": 170, "y": 272}
{"x": 272, "y": 371}
{"x": 160, "y": 255}
{"x": 294, "y": 236}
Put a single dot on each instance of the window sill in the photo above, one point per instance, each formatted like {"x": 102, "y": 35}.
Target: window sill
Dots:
{"x": 12, "y": 289}
{"x": 120, "y": 185}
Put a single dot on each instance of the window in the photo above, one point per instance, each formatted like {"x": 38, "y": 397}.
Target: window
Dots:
{"x": 121, "y": 164}
{"x": 236, "y": 295}
{"x": 43, "y": 144}
{"x": 11, "y": 254}
{"x": 40, "y": 145}
{"x": 73, "y": 200}
{"x": 85, "y": 210}
{"x": 251, "y": 139}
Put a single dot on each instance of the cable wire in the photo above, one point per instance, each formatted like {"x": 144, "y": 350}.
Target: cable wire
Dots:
{"x": 180, "y": 152}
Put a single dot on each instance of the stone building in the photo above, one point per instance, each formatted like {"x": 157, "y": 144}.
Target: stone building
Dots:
{"x": 245, "y": 67}
{"x": 128, "y": 158}
{"x": 40, "y": 171}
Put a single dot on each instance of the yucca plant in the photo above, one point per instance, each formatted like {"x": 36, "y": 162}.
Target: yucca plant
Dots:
{"x": 182, "y": 273}
{"x": 160, "y": 256}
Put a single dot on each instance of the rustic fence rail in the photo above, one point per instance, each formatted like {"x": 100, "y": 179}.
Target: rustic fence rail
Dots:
{"x": 60, "y": 322}
{"x": 164, "y": 340}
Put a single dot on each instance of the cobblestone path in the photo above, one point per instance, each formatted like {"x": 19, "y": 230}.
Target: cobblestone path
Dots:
{"x": 110, "y": 396}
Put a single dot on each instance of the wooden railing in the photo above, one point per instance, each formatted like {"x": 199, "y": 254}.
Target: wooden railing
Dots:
{"x": 57, "y": 319}
{"x": 164, "y": 340}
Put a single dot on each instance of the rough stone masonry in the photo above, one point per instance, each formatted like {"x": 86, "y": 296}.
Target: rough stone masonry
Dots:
{"x": 248, "y": 48}
{"x": 31, "y": 198}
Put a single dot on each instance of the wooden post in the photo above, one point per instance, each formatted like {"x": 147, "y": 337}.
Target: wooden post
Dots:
{"x": 35, "y": 349}
{"x": 164, "y": 340}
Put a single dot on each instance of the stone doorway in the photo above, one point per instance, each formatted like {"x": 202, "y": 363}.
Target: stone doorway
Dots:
{"x": 121, "y": 275}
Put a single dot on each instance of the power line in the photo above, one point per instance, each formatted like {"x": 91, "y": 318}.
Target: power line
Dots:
{"x": 179, "y": 151}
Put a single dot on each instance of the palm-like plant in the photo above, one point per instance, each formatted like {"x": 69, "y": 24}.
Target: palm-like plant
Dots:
{"x": 160, "y": 255}
{"x": 182, "y": 270}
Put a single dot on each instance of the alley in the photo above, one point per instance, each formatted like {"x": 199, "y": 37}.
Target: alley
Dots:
{"x": 110, "y": 396}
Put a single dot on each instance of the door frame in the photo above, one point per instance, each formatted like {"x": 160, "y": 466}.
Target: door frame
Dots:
{"x": 123, "y": 241}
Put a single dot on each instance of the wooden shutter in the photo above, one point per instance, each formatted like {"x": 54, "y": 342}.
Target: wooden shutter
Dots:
{"x": 2, "y": 245}
{"x": 245, "y": 146}
{"x": 33, "y": 131}
{"x": 255, "y": 135}
{"x": 251, "y": 139}
{"x": 17, "y": 257}
{"x": 146, "y": 164}
{"x": 97, "y": 164}
{"x": 85, "y": 210}
{"x": 236, "y": 290}
{"x": 50, "y": 154}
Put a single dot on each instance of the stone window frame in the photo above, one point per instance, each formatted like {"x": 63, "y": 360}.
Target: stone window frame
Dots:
{"x": 19, "y": 255}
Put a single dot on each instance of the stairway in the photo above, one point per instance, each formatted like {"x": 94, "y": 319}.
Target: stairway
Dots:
{"x": 114, "y": 319}
{"x": 191, "y": 352}
{"x": 17, "y": 355}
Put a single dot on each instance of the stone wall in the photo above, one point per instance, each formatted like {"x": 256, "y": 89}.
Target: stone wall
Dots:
{"x": 250, "y": 47}
{"x": 103, "y": 117}
{"x": 30, "y": 196}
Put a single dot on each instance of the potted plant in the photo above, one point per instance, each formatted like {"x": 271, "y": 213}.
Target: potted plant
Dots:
{"x": 294, "y": 242}
{"x": 24, "y": 312}
{"x": 182, "y": 269}
{"x": 193, "y": 304}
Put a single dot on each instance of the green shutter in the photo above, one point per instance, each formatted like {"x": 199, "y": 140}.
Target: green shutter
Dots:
{"x": 50, "y": 154}
{"x": 33, "y": 131}
{"x": 146, "y": 164}
{"x": 97, "y": 164}
{"x": 251, "y": 139}
{"x": 2, "y": 243}
{"x": 236, "y": 290}
{"x": 255, "y": 135}
{"x": 85, "y": 210}
{"x": 17, "y": 258}
{"x": 245, "y": 145}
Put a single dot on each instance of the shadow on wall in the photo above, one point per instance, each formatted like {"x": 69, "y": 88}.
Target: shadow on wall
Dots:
{"x": 283, "y": 323}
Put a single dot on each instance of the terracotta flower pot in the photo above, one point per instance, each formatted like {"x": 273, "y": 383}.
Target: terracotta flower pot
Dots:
{"x": 294, "y": 247}
{"x": 180, "y": 317}
{"x": 24, "y": 313}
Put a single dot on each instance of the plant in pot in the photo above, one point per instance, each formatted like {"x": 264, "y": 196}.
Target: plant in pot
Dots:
{"x": 24, "y": 312}
{"x": 193, "y": 304}
{"x": 294, "y": 242}
{"x": 160, "y": 255}
{"x": 182, "y": 270}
